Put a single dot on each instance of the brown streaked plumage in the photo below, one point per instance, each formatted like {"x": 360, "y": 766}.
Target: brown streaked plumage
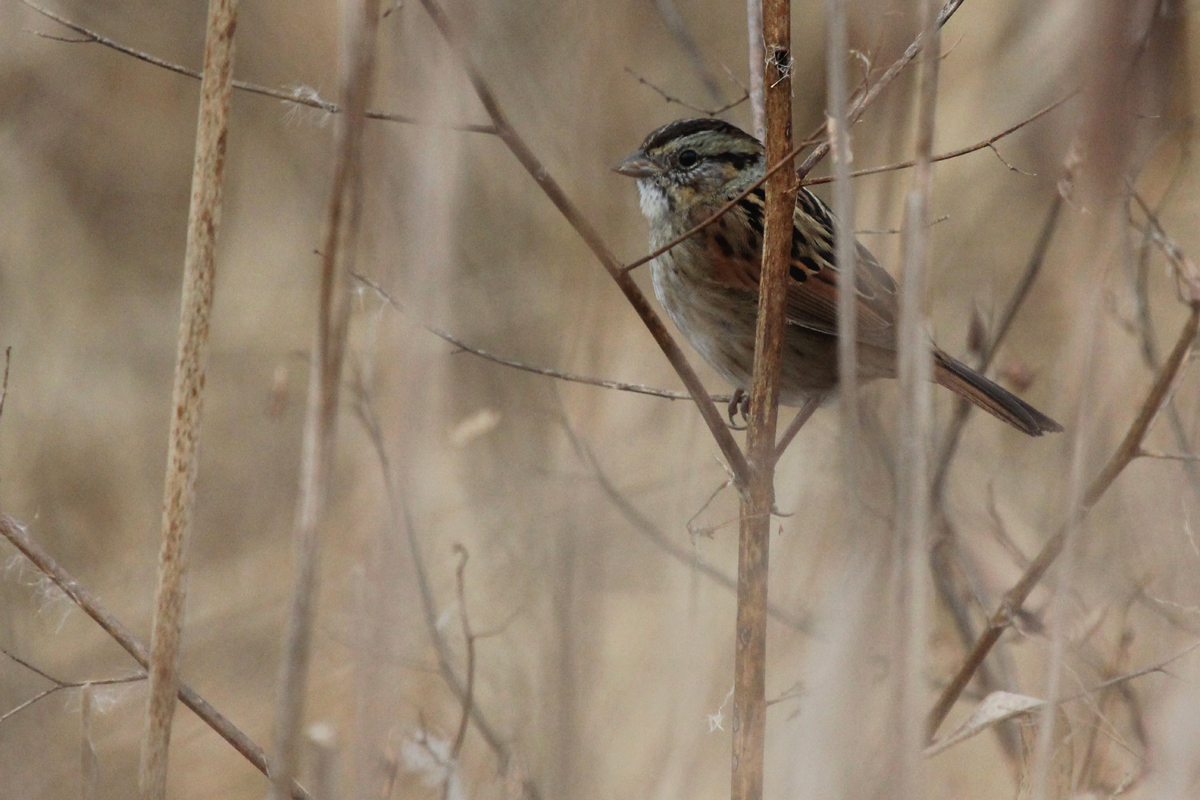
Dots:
{"x": 709, "y": 283}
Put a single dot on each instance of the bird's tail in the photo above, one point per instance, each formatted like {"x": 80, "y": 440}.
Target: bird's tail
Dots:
{"x": 992, "y": 398}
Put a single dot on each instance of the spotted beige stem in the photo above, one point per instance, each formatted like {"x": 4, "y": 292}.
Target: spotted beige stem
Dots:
{"x": 184, "y": 438}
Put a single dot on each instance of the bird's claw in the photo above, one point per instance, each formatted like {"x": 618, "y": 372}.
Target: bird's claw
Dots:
{"x": 740, "y": 404}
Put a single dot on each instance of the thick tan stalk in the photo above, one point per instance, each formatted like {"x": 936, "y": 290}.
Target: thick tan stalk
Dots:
{"x": 184, "y": 439}
{"x": 320, "y": 429}
{"x": 750, "y": 658}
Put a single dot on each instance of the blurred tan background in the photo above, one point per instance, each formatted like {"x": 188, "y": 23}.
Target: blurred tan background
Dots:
{"x": 609, "y": 647}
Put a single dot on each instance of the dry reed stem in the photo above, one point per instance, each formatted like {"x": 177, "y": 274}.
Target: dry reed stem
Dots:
{"x": 758, "y": 61}
{"x": 838, "y": 126}
{"x": 754, "y": 536}
{"x": 326, "y": 760}
{"x": 91, "y": 605}
{"x": 1127, "y": 451}
{"x": 187, "y": 398}
{"x": 914, "y": 370}
{"x": 343, "y": 224}
{"x": 585, "y": 230}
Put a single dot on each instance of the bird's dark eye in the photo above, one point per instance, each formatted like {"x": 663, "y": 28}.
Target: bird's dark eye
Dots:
{"x": 688, "y": 158}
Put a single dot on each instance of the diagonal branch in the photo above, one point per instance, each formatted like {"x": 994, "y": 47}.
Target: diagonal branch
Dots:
{"x": 15, "y": 533}
{"x": 1126, "y": 452}
{"x": 539, "y": 173}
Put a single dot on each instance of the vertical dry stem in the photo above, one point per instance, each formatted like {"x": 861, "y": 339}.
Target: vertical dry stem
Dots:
{"x": 89, "y": 766}
{"x": 750, "y": 656}
{"x": 184, "y": 442}
{"x": 914, "y": 371}
{"x": 845, "y": 245}
{"x": 758, "y": 59}
{"x": 320, "y": 430}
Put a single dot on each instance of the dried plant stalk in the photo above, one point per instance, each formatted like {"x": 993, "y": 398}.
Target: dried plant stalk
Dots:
{"x": 754, "y": 538}
{"x": 343, "y": 223}
{"x": 758, "y": 61}
{"x": 914, "y": 370}
{"x": 838, "y": 47}
{"x": 184, "y": 442}
{"x": 89, "y": 765}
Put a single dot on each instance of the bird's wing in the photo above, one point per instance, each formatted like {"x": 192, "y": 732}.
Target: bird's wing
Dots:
{"x": 813, "y": 278}
{"x": 812, "y": 302}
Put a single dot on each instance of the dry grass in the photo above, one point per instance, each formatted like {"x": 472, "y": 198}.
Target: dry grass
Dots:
{"x": 599, "y": 658}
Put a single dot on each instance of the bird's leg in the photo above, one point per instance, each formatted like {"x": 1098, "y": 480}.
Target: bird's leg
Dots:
{"x": 740, "y": 404}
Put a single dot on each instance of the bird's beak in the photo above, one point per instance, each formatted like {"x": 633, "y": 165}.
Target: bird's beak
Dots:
{"x": 636, "y": 165}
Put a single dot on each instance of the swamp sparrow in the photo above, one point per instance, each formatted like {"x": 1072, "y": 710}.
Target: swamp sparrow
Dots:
{"x": 709, "y": 283}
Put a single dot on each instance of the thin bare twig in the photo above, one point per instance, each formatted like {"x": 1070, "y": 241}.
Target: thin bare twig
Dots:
{"x": 91, "y": 605}
{"x": 572, "y": 377}
{"x": 989, "y": 142}
{"x": 469, "y": 695}
{"x": 187, "y": 398}
{"x": 343, "y": 225}
{"x": 802, "y": 416}
{"x": 89, "y": 765}
{"x": 670, "y": 98}
{"x": 1191, "y": 457}
{"x": 299, "y": 97}
{"x": 468, "y": 698}
{"x": 1031, "y": 705}
{"x": 58, "y": 684}
{"x": 683, "y": 36}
